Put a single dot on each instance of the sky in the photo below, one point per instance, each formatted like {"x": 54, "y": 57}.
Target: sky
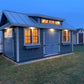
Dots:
{"x": 71, "y": 10}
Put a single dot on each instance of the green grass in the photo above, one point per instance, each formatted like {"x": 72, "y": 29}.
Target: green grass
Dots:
{"x": 64, "y": 70}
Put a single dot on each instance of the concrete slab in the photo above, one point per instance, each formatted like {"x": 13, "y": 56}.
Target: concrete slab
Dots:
{"x": 38, "y": 60}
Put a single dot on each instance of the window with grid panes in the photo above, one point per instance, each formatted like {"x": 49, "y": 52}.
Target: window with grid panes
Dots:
{"x": 31, "y": 36}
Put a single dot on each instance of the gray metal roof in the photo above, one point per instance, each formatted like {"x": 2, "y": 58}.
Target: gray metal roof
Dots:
{"x": 23, "y": 20}
{"x": 18, "y": 18}
{"x": 68, "y": 26}
{"x": 77, "y": 30}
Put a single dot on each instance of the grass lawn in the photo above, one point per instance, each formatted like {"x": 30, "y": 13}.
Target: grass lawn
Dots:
{"x": 63, "y": 70}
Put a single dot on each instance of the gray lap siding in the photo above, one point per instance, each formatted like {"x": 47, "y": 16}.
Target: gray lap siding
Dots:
{"x": 26, "y": 54}
{"x": 32, "y": 53}
{"x": 65, "y": 48}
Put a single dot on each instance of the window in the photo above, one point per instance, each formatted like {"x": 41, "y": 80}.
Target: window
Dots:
{"x": 44, "y": 21}
{"x": 57, "y": 22}
{"x": 27, "y": 36}
{"x": 35, "y": 34}
{"x": 31, "y": 36}
{"x": 66, "y": 36}
{"x": 51, "y": 22}
{"x": 5, "y": 34}
{"x": 8, "y": 33}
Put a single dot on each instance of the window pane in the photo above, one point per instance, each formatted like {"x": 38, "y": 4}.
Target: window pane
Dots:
{"x": 25, "y": 41}
{"x": 68, "y": 38}
{"x": 27, "y": 35}
{"x": 29, "y": 41}
{"x": 35, "y": 33}
{"x": 51, "y": 22}
{"x": 64, "y": 33}
{"x": 68, "y": 35}
{"x": 26, "y": 32}
{"x": 64, "y": 36}
{"x": 57, "y": 22}
{"x": 8, "y": 33}
{"x": 44, "y": 21}
{"x": 5, "y": 34}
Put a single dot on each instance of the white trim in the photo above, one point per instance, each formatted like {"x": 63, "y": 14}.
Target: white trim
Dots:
{"x": 32, "y": 44}
{"x": 51, "y": 54}
{"x": 44, "y": 41}
{"x": 77, "y": 38}
{"x": 17, "y": 41}
{"x": 83, "y": 37}
{"x": 59, "y": 42}
{"x": 81, "y": 31}
{"x": 72, "y": 41}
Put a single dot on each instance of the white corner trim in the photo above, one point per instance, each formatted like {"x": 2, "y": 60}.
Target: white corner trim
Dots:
{"x": 72, "y": 41}
{"x": 17, "y": 46}
{"x": 59, "y": 42}
{"x": 83, "y": 37}
{"x": 44, "y": 41}
{"x": 77, "y": 38}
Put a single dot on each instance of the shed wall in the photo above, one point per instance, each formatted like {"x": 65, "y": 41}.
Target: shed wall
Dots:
{"x": 74, "y": 39}
{"x": 65, "y": 48}
{"x": 32, "y": 53}
{"x": 27, "y": 53}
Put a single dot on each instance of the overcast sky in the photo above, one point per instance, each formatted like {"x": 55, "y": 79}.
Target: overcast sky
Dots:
{"x": 71, "y": 10}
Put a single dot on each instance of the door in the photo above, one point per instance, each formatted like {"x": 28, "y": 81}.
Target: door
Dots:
{"x": 8, "y": 44}
{"x": 80, "y": 38}
{"x": 51, "y": 42}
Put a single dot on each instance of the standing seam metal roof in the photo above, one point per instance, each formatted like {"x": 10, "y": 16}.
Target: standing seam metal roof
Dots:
{"x": 21, "y": 19}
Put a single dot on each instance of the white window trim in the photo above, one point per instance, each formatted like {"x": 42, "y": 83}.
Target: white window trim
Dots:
{"x": 72, "y": 41}
{"x": 31, "y": 44}
{"x": 66, "y": 37}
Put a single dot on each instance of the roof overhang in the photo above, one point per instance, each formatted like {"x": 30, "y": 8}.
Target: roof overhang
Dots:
{"x": 24, "y": 26}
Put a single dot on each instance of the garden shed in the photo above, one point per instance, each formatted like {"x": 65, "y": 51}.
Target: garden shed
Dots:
{"x": 33, "y": 36}
{"x": 78, "y": 36}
